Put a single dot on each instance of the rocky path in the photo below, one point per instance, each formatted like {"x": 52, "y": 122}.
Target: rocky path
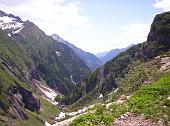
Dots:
{"x": 130, "y": 119}
{"x": 127, "y": 119}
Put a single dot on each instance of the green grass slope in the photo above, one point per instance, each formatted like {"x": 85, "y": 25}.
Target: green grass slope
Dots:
{"x": 150, "y": 100}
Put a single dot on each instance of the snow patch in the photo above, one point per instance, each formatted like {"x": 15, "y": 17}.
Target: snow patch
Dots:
{"x": 48, "y": 92}
{"x": 62, "y": 115}
{"x": 8, "y": 23}
{"x": 116, "y": 90}
{"x": 6, "y": 19}
{"x": 9, "y": 34}
{"x": 100, "y": 96}
{"x": 71, "y": 77}
{"x": 58, "y": 53}
{"x": 92, "y": 106}
{"x": 47, "y": 124}
{"x": 17, "y": 31}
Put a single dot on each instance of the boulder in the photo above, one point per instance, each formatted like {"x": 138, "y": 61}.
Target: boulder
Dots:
{"x": 16, "y": 109}
{"x": 123, "y": 97}
{"x": 25, "y": 98}
{"x": 31, "y": 102}
{"x": 4, "y": 119}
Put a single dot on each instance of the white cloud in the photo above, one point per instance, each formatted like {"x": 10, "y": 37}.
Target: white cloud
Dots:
{"x": 132, "y": 33}
{"x": 14, "y": 2}
{"x": 53, "y": 16}
{"x": 162, "y": 4}
{"x": 136, "y": 32}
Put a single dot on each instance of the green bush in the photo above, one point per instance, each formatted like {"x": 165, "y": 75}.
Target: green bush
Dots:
{"x": 86, "y": 120}
{"x": 167, "y": 102}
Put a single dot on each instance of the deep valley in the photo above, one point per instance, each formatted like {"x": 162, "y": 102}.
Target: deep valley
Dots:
{"x": 46, "y": 80}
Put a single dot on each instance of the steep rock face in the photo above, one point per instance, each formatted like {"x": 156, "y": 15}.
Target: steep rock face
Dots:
{"x": 25, "y": 97}
{"x": 19, "y": 100}
{"x": 90, "y": 59}
{"x": 159, "y": 37}
{"x": 100, "y": 80}
{"x": 15, "y": 94}
{"x": 12, "y": 65}
{"x": 16, "y": 109}
{"x": 160, "y": 29}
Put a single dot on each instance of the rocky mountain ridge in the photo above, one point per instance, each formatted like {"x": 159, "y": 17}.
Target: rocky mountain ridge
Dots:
{"x": 38, "y": 45}
{"x": 90, "y": 59}
{"x": 28, "y": 55}
{"x": 10, "y": 23}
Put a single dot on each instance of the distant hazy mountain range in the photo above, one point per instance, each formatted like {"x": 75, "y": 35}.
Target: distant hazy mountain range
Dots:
{"x": 106, "y": 56}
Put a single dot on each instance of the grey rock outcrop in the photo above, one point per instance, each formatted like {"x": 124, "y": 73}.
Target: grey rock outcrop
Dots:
{"x": 24, "y": 96}
{"x": 20, "y": 99}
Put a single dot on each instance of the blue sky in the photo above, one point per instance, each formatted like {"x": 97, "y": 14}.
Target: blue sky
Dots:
{"x": 111, "y": 16}
{"x": 93, "y": 25}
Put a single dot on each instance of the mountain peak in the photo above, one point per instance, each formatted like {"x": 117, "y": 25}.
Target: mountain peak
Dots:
{"x": 57, "y": 37}
{"x": 10, "y": 23}
{"x": 2, "y": 13}
{"x": 16, "y": 18}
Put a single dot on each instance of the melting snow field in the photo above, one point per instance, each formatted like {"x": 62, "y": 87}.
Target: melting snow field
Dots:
{"x": 62, "y": 115}
{"x": 10, "y": 23}
{"x": 50, "y": 94}
{"x": 47, "y": 92}
{"x": 72, "y": 115}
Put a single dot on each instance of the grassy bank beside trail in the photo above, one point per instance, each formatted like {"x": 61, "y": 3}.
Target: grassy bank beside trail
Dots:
{"x": 150, "y": 100}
